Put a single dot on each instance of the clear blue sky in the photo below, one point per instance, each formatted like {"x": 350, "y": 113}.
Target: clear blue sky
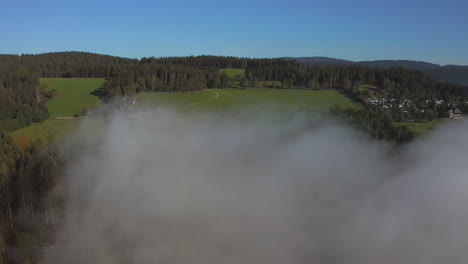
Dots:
{"x": 429, "y": 30}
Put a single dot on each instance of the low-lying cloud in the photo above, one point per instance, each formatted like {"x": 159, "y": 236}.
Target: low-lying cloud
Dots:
{"x": 175, "y": 189}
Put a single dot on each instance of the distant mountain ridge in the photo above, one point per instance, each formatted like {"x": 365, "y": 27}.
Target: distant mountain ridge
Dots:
{"x": 449, "y": 73}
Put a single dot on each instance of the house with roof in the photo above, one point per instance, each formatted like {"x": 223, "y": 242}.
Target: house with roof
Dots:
{"x": 454, "y": 113}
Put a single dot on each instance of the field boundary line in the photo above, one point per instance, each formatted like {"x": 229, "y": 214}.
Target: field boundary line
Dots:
{"x": 209, "y": 100}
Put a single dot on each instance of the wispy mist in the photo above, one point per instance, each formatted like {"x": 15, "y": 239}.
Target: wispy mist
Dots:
{"x": 173, "y": 189}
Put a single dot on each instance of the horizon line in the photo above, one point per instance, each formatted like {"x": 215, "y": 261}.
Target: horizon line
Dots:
{"x": 232, "y": 56}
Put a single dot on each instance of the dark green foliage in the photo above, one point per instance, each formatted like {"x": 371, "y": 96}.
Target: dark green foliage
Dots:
{"x": 376, "y": 122}
{"x": 27, "y": 245}
{"x": 27, "y": 210}
{"x": 67, "y": 64}
{"x": 394, "y": 82}
{"x": 449, "y": 73}
{"x": 127, "y": 76}
{"x": 156, "y": 78}
{"x": 21, "y": 99}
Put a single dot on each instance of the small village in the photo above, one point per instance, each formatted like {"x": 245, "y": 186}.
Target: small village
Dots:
{"x": 453, "y": 112}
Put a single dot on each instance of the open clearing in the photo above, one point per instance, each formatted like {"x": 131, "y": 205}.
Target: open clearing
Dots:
{"x": 233, "y": 72}
{"x": 175, "y": 98}
{"x": 46, "y": 129}
{"x": 74, "y": 95}
{"x": 420, "y": 128}
{"x": 281, "y": 99}
{"x": 236, "y": 99}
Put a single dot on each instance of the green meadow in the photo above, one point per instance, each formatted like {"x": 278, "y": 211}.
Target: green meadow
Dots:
{"x": 233, "y": 72}
{"x": 420, "y": 128}
{"x": 281, "y": 99}
{"x": 276, "y": 99}
{"x": 51, "y": 128}
{"x": 73, "y": 95}
{"x": 175, "y": 98}
{"x": 370, "y": 88}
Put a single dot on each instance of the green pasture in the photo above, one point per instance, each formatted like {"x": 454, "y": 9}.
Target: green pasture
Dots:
{"x": 420, "y": 128}
{"x": 174, "y": 98}
{"x": 73, "y": 95}
{"x": 51, "y": 128}
{"x": 279, "y": 99}
{"x": 233, "y": 72}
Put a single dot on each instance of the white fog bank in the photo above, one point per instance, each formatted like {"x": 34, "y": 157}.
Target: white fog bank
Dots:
{"x": 173, "y": 189}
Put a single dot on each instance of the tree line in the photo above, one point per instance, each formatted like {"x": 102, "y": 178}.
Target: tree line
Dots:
{"x": 21, "y": 99}
{"x": 376, "y": 122}
{"x": 128, "y": 76}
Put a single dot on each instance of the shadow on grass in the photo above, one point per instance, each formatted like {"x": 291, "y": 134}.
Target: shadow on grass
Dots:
{"x": 99, "y": 92}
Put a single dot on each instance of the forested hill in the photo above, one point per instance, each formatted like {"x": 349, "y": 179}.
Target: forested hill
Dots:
{"x": 66, "y": 64}
{"x": 449, "y": 73}
{"x": 176, "y": 73}
{"x": 127, "y": 76}
{"x": 317, "y": 61}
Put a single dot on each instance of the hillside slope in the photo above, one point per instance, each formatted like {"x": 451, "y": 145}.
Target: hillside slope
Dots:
{"x": 449, "y": 73}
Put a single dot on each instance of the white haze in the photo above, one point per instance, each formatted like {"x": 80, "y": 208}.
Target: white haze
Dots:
{"x": 203, "y": 190}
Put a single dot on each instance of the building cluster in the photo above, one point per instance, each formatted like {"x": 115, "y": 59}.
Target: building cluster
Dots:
{"x": 452, "y": 113}
{"x": 390, "y": 102}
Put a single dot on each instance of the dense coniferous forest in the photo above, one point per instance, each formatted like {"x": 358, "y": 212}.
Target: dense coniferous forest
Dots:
{"x": 67, "y": 64}
{"x": 29, "y": 212}
{"x": 194, "y": 73}
{"x": 448, "y": 73}
{"x": 21, "y": 99}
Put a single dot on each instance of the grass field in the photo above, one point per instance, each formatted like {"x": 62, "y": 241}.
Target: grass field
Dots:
{"x": 278, "y": 99}
{"x": 174, "y": 99}
{"x": 46, "y": 129}
{"x": 420, "y": 128}
{"x": 281, "y": 99}
{"x": 237, "y": 74}
{"x": 370, "y": 88}
{"x": 233, "y": 72}
{"x": 73, "y": 95}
